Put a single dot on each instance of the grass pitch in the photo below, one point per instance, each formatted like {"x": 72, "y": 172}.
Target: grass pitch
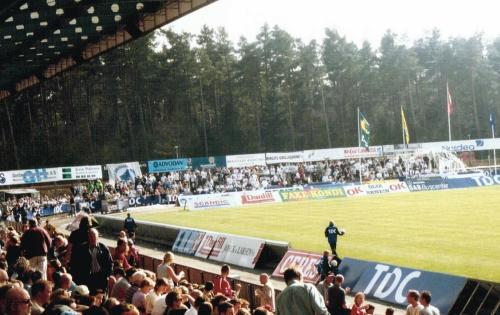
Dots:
{"x": 450, "y": 231}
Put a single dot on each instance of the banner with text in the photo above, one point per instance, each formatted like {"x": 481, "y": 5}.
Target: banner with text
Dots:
{"x": 245, "y": 160}
{"x": 376, "y": 189}
{"x": 123, "y": 172}
{"x": 305, "y": 261}
{"x": 391, "y": 283}
{"x": 188, "y": 241}
{"x": 312, "y": 194}
{"x": 159, "y": 166}
{"x": 323, "y": 154}
{"x": 207, "y": 162}
{"x": 285, "y": 157}
{"x": 256, "y": 197}
{"x": 240, "y": 251}
{"x": 44, "y": 175}
{"x": 207, "y": 201}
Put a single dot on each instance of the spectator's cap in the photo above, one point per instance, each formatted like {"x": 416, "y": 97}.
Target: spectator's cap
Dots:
{"x": 332, "y": 223}
{"x": 81, "y": 290}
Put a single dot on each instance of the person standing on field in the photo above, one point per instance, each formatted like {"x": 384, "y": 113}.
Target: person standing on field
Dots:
{"x": 331, "y": 233}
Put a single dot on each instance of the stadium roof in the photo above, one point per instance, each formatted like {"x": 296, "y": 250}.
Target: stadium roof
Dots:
{"x": 41, "y": 38}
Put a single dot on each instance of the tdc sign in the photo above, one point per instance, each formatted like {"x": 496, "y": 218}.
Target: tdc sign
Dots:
{"x": 388, "y": 282}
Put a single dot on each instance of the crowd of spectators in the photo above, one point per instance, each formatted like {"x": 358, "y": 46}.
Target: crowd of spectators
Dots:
{"x": 217, "y": 180}
{"x": 43, "y": 272}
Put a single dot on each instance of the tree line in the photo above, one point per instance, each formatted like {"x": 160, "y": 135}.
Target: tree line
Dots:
{"x": 210, "y": 96}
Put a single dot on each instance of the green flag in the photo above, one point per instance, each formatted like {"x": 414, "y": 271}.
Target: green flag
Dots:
{"x": 364, "y": 130}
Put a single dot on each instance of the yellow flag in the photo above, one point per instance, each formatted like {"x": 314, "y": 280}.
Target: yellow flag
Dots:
{"x": 405, "y": 127}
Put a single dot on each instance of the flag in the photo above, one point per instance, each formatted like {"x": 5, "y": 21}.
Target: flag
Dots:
{"x": 364, "y": 130}
{"x": 492, "y": 120}
{"x": 405, "y": 127}
{"x": 449, "y": 101}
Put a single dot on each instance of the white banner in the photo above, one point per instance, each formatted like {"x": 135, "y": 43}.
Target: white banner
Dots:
{"x": 207, "y": 201}
{"x": 390, "y": 187}
{"x": 357, "y": 152}
{"x": 240, "y": 251}
{"x": 89, "y": 172}
{"x": 323, "y": 154}
{"x": 123, "y": 171}
{"x": 246, "y": 160}
{"x": 44, "y": 175}
{"x": 455, "y": 146}
{"x": 285, "y": 157}
{"x": 236, "y": 250}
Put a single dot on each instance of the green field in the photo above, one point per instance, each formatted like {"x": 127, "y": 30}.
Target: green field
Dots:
{"x": 450, "y": 231}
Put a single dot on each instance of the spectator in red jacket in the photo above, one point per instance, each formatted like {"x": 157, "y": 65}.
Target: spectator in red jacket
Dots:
{"x": 35, "y": 244}
{"x": 221, "y": 284}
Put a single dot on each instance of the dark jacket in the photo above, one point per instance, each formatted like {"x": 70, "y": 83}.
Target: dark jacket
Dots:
{"x": 103, "y": 258}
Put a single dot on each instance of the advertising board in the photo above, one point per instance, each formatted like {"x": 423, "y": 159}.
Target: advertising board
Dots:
{"x": 45, "y": 175}
{"x": 244, "y": 160}
{"x": 188, "y": 241}
{"x": 391, "y": 284}
{"x": 158, "y": 166}
{"x": 312, "y": 194}
{"x": 284, "y": 157}
{"x": 240, "y": 251}
{"x": 305, "y": 261}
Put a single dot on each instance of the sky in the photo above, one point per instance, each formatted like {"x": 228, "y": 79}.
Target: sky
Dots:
{"x": 357, "y": 20}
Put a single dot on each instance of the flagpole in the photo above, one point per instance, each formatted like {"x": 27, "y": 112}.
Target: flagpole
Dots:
{"x": 494, "y": 150}
{"x": 402, "y": 128}
{"x": 448, "y": 109}
{"x": 359, "y": 149}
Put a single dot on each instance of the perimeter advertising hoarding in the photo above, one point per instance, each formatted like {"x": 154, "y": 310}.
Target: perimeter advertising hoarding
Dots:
{"x": 312, "y": 194}
{"x": 45, "y": 175}
{"x": 207, "y": 201}
{"x": 231, "y": 249}
{"x": 158, "y": 166}
{"x": 188, "y": 241}
{"x": 123, "y": 172}
{"x": 391, "y": 283}
{"x": 256, "y": 197}
{"x": 284, "y": 157}
{"x": 246, "y": 160}
{"x": 207, "y": 162}
{"x": 240, "y": 251}
{"x": 305, "y": 261}
{"x": 376, "y": 189}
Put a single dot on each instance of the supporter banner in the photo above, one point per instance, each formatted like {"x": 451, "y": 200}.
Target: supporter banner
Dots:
{"x": 305, "y": 261}
{"x": 125, "y": 172}
{"x": 427, "y": 184}
{"x": 285, "y": 157}
{"x": 312, "y": 194}
{"x": 44, "y": 175}
{"x": 376, "y": 189}
{"x": 240, "y": 251}
{"x": 207, "y": 201}
{"x": 323, "y": 154}
{"x": 255, "y": 197}
{"x": 391, "y": 284}
{"x": 246, "y": 160}
{"x": 207, "y": 162}
{"x": 207, "y": 243}
{"x": 158, "y": 166}
{"x": 188, "y": 241}
{"x": 357, "y": 152}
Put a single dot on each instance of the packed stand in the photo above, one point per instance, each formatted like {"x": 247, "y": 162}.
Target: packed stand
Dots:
{"x": 43, "y": 272}
{"x": 20, "y": 209}
{"x": 218, "y": 180}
